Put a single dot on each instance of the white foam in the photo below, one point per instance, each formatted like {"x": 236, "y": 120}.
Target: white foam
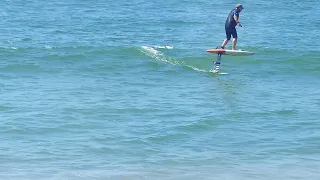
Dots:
{"x": 49, "y": 47}
{"x": 196, "y": 69}
{"x": 163, "y": 47}
{"x": 152, "y": 52}
{"x": 217, "y": 72}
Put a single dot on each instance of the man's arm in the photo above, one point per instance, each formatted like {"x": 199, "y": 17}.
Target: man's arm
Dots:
{"x": 235, "y": 17}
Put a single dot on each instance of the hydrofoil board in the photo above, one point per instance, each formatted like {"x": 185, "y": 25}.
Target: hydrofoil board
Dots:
{"x": 230, "y": 52}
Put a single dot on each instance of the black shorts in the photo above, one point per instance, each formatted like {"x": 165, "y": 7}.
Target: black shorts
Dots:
{"x": 231, "y": 31}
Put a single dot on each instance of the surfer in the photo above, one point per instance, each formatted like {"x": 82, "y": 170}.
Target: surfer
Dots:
{"x": 230, "y": 26}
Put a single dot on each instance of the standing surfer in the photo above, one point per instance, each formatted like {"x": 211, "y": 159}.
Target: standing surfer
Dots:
{"x": 230, "y": 26}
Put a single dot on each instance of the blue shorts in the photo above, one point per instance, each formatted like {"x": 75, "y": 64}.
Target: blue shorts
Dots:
{"x": 231, "y": 31}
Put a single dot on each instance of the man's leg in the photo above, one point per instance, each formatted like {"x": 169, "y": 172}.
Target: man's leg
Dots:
{"x": 225, "y": 42}
{"x": 228, "y": 37}
{"x": 234, "y": 43}
{"x": 235, "y": 39}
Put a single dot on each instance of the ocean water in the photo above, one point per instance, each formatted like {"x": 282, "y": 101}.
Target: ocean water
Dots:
{"x": 121, "y": 90}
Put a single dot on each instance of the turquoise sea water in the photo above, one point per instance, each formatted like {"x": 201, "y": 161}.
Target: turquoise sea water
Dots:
{"x": 99, "y": 90}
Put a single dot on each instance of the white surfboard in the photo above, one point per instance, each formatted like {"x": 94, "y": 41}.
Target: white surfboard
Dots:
{"x": 230, "y": 52}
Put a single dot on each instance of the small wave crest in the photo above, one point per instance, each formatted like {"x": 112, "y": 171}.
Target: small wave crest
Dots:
{"x": 49, "y": 47}
{"x": 158, "y": 55}
{"x": 154, "y": 52}
{"x": 164, "y": 47}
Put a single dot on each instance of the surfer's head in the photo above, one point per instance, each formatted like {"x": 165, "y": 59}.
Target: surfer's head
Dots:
{"x": 239, "y": 7}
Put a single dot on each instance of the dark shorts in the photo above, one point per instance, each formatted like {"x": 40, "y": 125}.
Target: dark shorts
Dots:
{"x": 231, "y": 31}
